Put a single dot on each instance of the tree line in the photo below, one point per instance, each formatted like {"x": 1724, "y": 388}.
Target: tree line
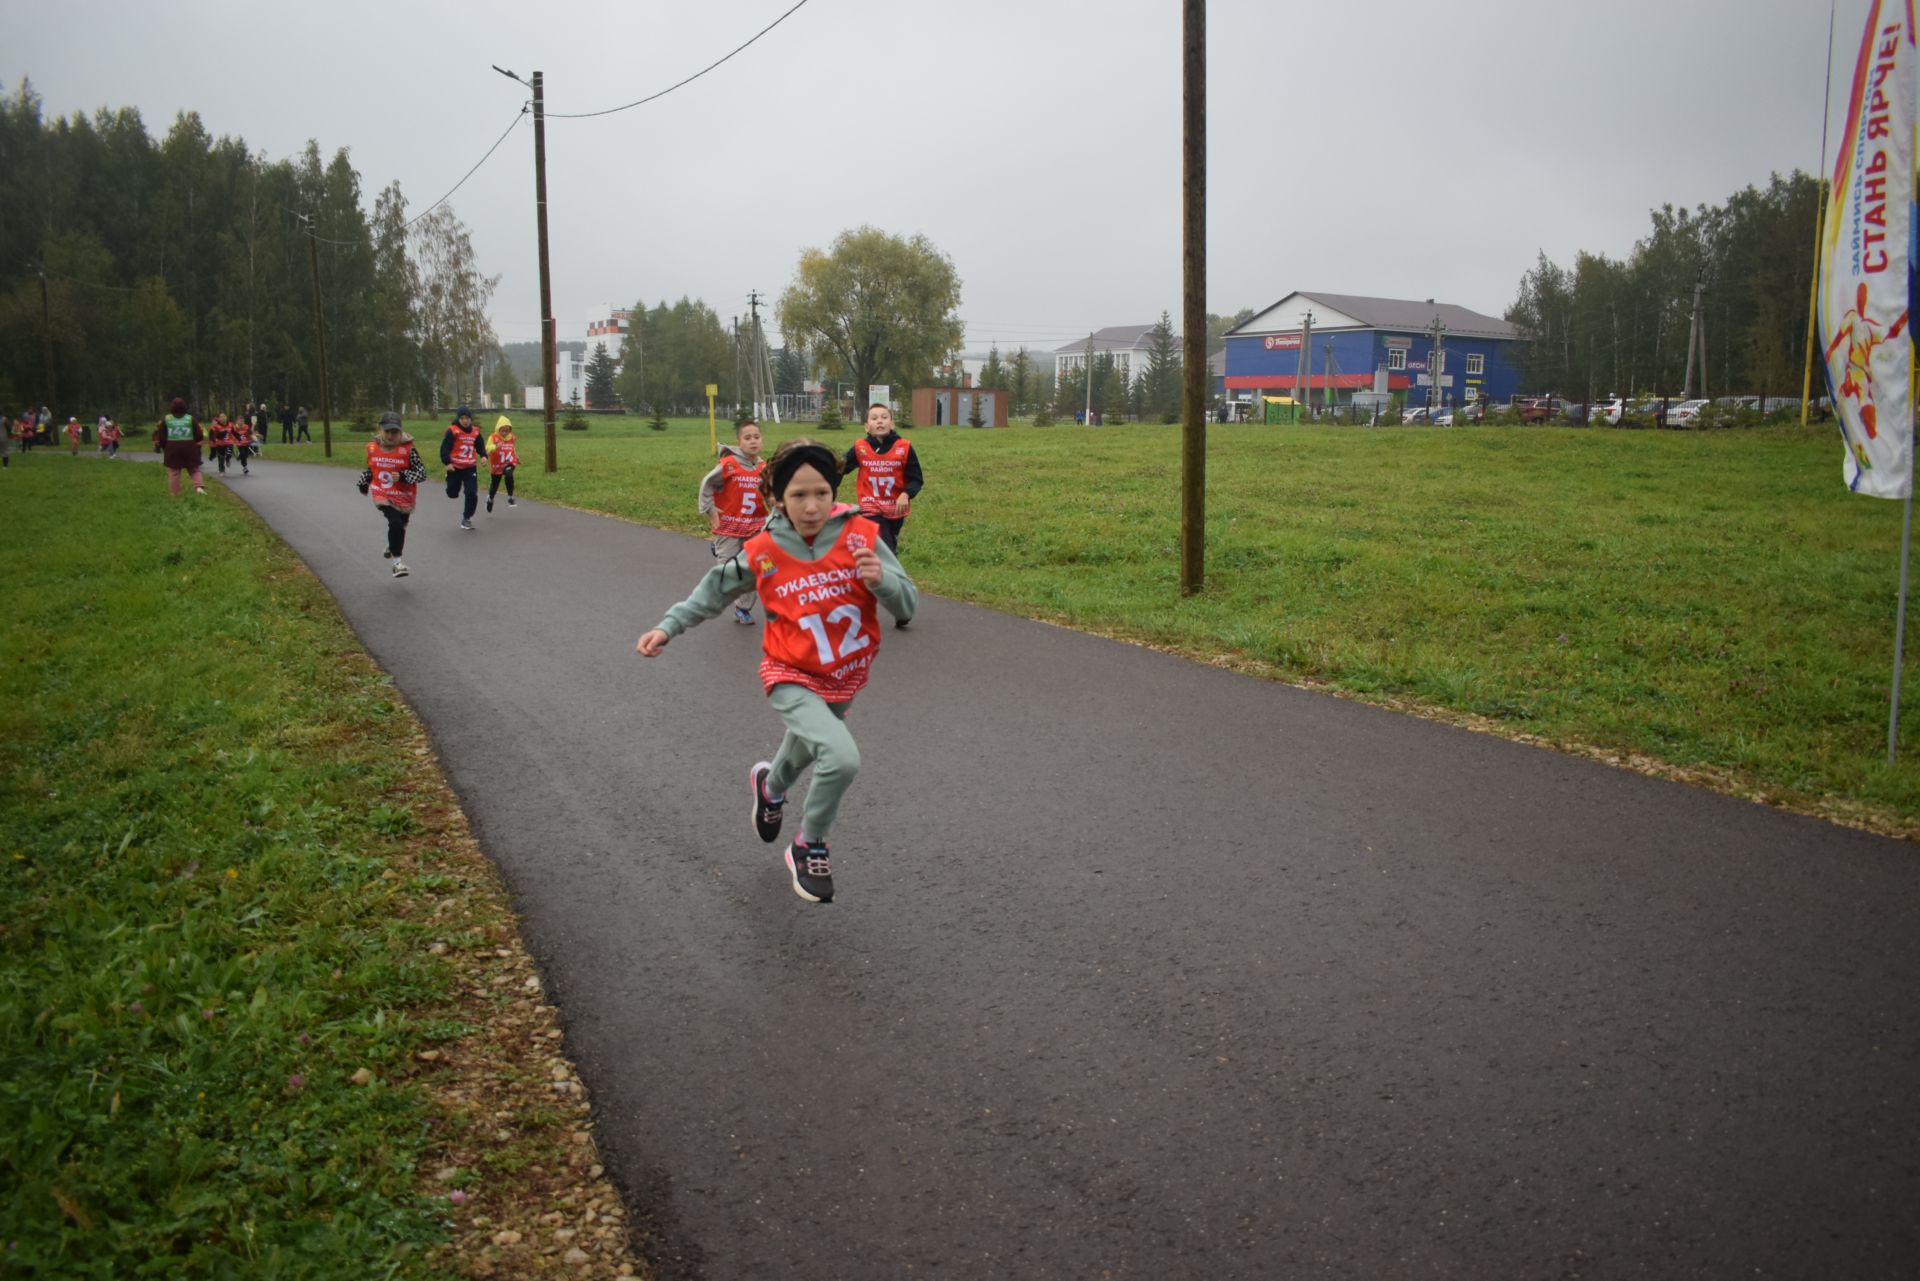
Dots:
{"x": 1605, "y": 326}
{"x": 134, "y": 269}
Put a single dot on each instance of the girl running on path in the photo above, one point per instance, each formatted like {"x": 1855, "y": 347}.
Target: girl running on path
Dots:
{"x": 391, "y": 478}
{"x": 503, "y": 455}
{"x": 109, "y": 437}
{"x": 73, "y": 436}
{"x": 177, "y": 440}
{"x": 730, "y": 500}
{"x": 822, "y": 571}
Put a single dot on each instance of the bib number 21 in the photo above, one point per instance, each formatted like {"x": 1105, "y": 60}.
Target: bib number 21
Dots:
{"x": 851, "y": 640}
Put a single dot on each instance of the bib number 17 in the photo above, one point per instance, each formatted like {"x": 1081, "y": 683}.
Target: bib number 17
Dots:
{"x": 852, "y": 641}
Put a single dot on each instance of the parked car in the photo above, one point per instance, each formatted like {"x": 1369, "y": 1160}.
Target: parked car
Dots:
{"x": 1609, "y": 411}
{"x": 1685, "y": 412}
{"x": 1418, "y": 414}
{"x": 1575, "y": 414}
{"x": 1443, "y": 417}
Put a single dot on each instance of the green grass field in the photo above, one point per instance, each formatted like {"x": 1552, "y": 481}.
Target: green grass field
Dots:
{"x": 206, "y": 927}
{"x": 1715, "y": 603}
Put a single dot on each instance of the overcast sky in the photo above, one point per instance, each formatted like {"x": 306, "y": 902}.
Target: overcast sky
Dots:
{"x": 1399, "y": 149}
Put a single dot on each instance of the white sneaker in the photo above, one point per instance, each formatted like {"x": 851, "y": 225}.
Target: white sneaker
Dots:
{"x": 510, "y": 501}
{"x": 399, "y": 569}
{"x": 466, "y": 524}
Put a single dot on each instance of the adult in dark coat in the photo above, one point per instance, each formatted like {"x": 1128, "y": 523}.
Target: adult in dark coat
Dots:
{"x": 286, "y": 424}
{"x": 177, "y": 441}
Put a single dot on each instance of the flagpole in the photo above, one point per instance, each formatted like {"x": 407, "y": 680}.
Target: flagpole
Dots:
{"x": 1819, "y": 226}
{"x": 1900, "y": 628}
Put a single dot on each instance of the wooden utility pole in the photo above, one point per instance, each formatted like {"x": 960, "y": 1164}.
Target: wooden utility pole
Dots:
{"x": 549, "y": 339}
{"x": 1693, "y": 341}
{"x": 1193, "y": 432}
{"x": 320, "y": 334}
{"x": 46, "y": 335}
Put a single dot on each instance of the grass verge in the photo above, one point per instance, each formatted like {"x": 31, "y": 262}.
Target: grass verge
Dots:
{"x": 1708, "y": 605}
{"x": 263, "y": 1011}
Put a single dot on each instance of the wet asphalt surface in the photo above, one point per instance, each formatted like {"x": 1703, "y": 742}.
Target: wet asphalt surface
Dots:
{"x": 1139, "y": 968}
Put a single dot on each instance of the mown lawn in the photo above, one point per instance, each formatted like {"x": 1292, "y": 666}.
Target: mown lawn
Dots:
{"x": 1714, "y": 602}
{"x": 238, "y": 952}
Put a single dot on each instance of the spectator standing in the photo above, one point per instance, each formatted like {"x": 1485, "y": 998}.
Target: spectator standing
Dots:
{"x": 300, "y": 421}
{"x": 286, "y": 424}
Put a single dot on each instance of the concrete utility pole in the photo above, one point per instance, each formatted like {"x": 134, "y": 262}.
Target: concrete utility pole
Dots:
{"x": 1693, "y": 339}
{"x": 320, "y": 337}
{"x": 1088, "y": 371}
{"x": 1303, "y": 367}
{"x": 1193, "y": 432}
{"x": 1436, "y": 362}
{"x": 1326, "y": 374}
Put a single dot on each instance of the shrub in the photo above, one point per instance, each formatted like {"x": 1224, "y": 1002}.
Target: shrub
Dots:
{"x": 576, "y": 419}
{"x": 1042, "y": 415}
{"x": 974, "y": 417}
{"x": 659, "y": 420}
{"x": 830, "y": 419}
{"x": 364, "y": 419}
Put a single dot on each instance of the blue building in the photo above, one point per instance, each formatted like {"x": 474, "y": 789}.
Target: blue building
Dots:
{"x": 1373, "y": 347}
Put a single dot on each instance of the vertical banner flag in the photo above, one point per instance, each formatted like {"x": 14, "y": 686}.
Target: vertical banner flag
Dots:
{"x": 1866, "y": 260}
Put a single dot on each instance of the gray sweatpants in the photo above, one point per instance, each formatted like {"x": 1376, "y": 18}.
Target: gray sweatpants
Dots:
{"x": 816, "y": 735}
{"x": 725, "y": 548}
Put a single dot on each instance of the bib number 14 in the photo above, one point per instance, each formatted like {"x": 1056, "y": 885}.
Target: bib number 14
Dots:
{"x": 852, "y": 641}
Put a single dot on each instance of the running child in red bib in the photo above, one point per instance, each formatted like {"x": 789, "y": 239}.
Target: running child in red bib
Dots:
{"x": 503, "y": 456}
{"x": 392, "y": 479}
{"x": 460, "y": 455}
{"x": 730, "y": 500}
{"x": 822, "y": 572}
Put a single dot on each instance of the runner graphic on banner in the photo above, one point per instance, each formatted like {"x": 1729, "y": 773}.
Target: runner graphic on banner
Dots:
{"x": 1866, "y": 260}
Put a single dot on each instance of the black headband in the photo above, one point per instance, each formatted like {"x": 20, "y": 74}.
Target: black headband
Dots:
{"x": 818, "y": 457}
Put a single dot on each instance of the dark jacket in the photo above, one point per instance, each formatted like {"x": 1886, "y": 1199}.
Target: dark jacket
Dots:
{"x": 881, "y": 444}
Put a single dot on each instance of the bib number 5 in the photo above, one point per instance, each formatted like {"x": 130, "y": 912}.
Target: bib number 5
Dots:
{"x": 851, "y": 640}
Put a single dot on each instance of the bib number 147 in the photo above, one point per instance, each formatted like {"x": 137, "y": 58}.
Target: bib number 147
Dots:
{"x": 852, "y": 641}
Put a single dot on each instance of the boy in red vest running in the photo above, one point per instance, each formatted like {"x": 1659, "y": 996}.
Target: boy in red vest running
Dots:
{"x": 391, "y": 478}
{"x": 503, "y": 455}
{"x": 242, "y": 444}
{"x": 460, "y": 452}
{"x": 822, "y": 572}
{"x": 887, "y": 477}
{"x": 730, "y": 500}
{"x": 220, "y": 441}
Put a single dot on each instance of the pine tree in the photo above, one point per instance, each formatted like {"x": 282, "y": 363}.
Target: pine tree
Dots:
{"x": 600, "y": 371}
{"x": 659, "y": 420}
{"x": 830, "y": 419}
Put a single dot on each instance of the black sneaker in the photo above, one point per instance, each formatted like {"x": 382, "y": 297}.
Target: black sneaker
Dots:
{"x": 489, "y": 506}
{"x": 766, "y": 814}
{"x": 812, "y": 876}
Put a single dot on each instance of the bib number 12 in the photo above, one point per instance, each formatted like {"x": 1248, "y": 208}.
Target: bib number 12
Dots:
{"x": 851, "y": 640}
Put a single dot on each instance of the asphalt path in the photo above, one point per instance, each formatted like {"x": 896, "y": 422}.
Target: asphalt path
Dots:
{"x": 1140, "y": 968}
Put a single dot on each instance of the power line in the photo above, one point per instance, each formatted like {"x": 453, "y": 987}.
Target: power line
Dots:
{"x": 354, "y": 244}
{"x": 585, "y": 115}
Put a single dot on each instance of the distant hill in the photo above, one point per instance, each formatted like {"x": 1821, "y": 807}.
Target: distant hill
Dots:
{"x": 525, "y": 359}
